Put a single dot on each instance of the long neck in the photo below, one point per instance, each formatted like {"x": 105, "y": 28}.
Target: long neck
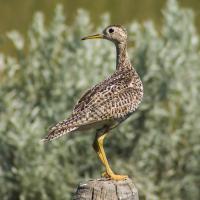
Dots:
{"x": 122, "y": 61}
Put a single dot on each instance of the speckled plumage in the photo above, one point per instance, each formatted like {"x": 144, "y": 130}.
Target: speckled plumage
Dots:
{"x": 109, "y": 102}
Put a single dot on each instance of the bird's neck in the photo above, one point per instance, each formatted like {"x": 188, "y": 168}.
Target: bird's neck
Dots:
{"x": 122, "y": 61}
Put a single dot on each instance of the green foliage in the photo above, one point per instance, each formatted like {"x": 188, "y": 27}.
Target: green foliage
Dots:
{"x": 158, "y": 145}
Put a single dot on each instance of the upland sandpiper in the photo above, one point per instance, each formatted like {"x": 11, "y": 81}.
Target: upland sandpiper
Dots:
{"x": 108, "y": 103}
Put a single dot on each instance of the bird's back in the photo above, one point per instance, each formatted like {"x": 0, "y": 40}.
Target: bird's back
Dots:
{"x": 121, "y": 83}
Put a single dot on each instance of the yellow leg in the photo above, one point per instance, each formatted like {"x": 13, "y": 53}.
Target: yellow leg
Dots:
{"x": 98, "y": 146}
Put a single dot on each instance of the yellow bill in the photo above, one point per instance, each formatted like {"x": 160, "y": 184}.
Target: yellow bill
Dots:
{"x": 96, "y": 36}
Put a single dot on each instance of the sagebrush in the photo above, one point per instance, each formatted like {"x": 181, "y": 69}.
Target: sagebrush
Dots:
{"x": 158, "y": 146}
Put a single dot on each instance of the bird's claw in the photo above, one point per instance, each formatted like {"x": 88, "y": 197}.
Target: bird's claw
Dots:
{"x": 105, "y": 175}
{"x": 113, "y": 176}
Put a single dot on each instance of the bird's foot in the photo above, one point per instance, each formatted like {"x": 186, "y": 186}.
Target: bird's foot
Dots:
{"x": 114, "y": 177}
{"x": 105, "y": 175}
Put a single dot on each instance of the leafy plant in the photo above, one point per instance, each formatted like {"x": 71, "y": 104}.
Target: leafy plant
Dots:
{"x": 158, "y": 145}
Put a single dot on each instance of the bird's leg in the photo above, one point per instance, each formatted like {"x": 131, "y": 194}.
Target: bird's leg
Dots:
{"x": 98, "y": 146}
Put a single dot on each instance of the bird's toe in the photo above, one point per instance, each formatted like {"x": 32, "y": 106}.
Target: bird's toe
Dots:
{"x": 113, "y": 176}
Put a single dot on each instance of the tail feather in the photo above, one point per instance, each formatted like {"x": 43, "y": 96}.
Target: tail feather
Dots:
{"x": 68, "y": 125}
{"x": 58, "y": 131}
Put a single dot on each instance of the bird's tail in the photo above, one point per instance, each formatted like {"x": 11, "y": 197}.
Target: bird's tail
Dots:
{"x": 59, "y": 130}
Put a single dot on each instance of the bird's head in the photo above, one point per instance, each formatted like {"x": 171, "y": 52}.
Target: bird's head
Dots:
{"x": 114, "y": 33}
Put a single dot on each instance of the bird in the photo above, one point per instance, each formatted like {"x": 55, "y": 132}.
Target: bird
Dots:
{"x": 108, "y": 103}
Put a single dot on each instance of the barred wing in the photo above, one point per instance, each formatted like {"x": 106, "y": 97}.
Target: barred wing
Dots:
{"x": 116, "y": 106}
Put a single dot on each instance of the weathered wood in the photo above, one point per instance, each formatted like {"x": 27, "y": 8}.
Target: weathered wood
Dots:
{"x": 104, "y": 189}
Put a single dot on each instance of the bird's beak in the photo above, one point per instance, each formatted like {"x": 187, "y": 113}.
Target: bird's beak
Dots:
{"x": 96, "y": 36}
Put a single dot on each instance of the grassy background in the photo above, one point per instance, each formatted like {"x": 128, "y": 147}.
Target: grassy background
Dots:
{"x": 158, "y": 146}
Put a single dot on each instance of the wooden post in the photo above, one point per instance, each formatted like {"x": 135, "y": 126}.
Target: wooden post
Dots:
{"x": 104, "y": 189}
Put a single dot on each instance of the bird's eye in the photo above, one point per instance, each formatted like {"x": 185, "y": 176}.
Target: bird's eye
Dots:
{"x": 111, "y": 30}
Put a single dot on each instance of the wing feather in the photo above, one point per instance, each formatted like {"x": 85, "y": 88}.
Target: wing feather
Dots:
{"x": 113, "y": 107}
{"x": 113, "y": 84}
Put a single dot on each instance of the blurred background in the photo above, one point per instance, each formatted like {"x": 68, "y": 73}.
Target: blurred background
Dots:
{"x": 18, "y": 14}
{"x": 44, "y": 69}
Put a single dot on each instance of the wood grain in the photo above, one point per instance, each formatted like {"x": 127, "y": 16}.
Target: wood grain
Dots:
{"x": 103, "y": 189}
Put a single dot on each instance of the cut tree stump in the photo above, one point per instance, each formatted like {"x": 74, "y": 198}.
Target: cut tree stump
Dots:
{"x": 104, "y": 189}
